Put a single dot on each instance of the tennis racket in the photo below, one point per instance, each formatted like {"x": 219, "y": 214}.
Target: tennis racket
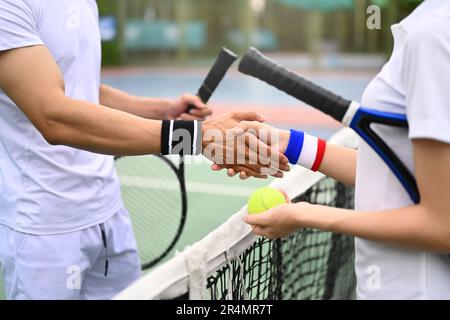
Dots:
{"x": 154, "y": 190}
{"x": 349, "y": 113}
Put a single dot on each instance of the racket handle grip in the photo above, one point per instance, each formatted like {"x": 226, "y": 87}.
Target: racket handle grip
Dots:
{"x": 224, "y": 61}
{"x": 255, "y": 64}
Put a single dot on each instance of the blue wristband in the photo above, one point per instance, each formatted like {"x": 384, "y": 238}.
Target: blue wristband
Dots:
{"x": 295, "y": 146}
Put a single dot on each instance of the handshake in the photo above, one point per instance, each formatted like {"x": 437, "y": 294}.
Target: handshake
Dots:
{"x": 241, "y": 143}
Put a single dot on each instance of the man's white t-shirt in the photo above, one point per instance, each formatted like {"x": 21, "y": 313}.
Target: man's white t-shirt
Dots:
{"x": 47, "y": 189}
{"x": 416, "y": 82}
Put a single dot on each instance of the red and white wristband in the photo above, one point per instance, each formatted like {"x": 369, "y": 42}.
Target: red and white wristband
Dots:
{"x": 305, "y": 150}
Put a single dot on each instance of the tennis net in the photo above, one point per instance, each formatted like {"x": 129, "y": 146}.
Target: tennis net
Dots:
{"x": 232, "y": 263}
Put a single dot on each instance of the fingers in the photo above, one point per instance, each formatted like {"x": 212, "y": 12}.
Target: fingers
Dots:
{"x": 190, "y": 100}
{"x": 243, "y": 175}
{"x": 216, "y": 167}
{"x": 258, "y": 220}
{"x": 261, "y": 224}
{"x": 266, "y": 156}
{"x": 253, "y": 131}
{"x": 200, "y": 110}
{"x": 231, "y": 172}
{"x": 201, "y": 113}
{"x": 190, "y": 117}
{"x": 246, "y": 171}
{"x": 245, "y": 126}
{"x": 260, "y": 231}
{"x": 248, "y": 116}
{"x": 286, "y": 197}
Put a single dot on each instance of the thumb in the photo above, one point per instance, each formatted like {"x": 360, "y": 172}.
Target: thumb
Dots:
{"x": 244, "y": 126}
{"x": 249, "y": 116}
{"x": 256, "y": 219}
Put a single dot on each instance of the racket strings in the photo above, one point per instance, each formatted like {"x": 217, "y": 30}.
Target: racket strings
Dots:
{"x": 152, "y": 194}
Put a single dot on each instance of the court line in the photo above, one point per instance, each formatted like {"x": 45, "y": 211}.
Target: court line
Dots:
{"x": 191, "y": 186}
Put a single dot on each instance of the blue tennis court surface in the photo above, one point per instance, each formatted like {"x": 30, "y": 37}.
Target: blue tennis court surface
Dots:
{"x": 234, "y": 89}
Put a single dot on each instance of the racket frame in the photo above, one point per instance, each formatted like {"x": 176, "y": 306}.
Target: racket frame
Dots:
{"x": 348, "y": 112}
{"x": 361, "y": 124}
{"x": 179, "y": 172}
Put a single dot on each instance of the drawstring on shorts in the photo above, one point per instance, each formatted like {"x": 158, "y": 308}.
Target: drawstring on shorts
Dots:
{"x": 105, "y": 245}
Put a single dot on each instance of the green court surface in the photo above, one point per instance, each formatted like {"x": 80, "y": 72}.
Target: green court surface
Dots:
{"x": 207, "y": 209}
{"x": 212, "y": 198}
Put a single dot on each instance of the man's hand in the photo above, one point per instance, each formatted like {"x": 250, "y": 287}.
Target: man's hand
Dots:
{"x": 243, "y": 153}
{"x": 188, "y": 107}
{"x": 275, "y": 138}
{"x": 154, "y": 108}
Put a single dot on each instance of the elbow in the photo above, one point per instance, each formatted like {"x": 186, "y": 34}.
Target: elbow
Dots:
{"x": 446, "y": 241}
{"x": 51, "y": 133}
{"x": 51, "y": 126}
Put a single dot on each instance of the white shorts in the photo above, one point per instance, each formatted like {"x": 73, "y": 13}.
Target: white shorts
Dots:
{"x": 70, "y": 265}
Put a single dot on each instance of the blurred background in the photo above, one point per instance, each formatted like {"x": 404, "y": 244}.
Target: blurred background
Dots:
{"x": 164, "y": 48}
{"x": 189, "y": 31}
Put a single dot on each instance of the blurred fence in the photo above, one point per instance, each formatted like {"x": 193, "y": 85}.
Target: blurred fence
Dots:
{"x": 181, "y": 29}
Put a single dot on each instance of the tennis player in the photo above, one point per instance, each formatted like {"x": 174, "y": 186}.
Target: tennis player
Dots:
{"x": 57, "y": 193}
{"x": 401, "y": 248}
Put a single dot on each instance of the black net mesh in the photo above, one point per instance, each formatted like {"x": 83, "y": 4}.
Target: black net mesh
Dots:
{"x": 309, "y": 264}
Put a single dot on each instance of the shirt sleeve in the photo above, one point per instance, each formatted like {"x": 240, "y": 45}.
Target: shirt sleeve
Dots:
{"x": 426, "y": 80}
{"x": 18, "y": 24}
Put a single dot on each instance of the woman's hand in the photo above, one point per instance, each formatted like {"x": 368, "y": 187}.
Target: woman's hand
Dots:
{"x": 279, "y": 221}
{"x": 275, "y": 138}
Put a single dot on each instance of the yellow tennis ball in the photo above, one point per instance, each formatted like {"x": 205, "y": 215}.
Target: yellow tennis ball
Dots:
{"x": 264, "y": 199}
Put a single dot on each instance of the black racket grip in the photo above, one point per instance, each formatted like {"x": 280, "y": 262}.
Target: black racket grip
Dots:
{"x": 224, "y": 61}
{"x": 255, "y": 64}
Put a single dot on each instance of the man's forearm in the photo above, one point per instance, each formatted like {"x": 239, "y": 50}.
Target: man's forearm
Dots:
{"x": 150, "y": 108}
{"x": 100, "y": 129}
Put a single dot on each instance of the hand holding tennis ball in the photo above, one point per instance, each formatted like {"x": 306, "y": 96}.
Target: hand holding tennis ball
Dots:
{"x": 271, "y": 213}
{"x": 264, "y": 199}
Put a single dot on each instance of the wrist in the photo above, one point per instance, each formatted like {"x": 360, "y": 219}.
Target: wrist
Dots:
{"x": 206, "y": 126}
{"x": 305, "y": 150}
{"x": 298, "y": 212}
{"x": 309, "y": 215}
{"x": 285, "y": 136}
{"x": 316, "y": 216}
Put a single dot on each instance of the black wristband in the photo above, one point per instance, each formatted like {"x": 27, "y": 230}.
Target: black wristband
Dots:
{"x": 165, "y": 133}
{"x": 181, "y": 137}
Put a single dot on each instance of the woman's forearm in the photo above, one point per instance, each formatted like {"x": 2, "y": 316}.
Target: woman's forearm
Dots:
{"x": 340, "y": 164}
{"x": 150, "y": 108}
{"x": 415, "y": 226}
